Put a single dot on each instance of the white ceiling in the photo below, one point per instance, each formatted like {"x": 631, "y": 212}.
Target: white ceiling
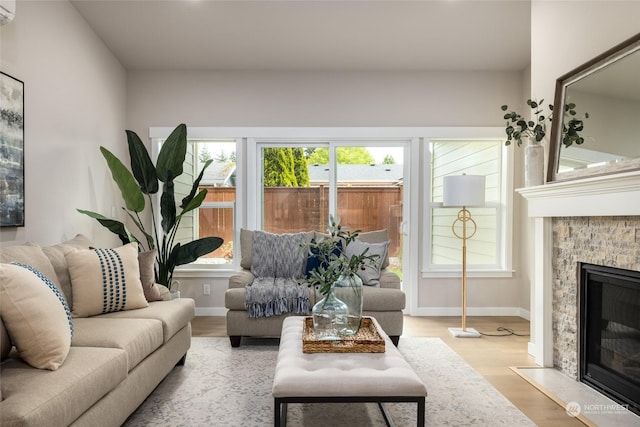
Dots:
{"x": 314, "y": 35}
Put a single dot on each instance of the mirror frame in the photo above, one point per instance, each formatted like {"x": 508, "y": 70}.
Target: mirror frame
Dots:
{"x": 601, "y": 61}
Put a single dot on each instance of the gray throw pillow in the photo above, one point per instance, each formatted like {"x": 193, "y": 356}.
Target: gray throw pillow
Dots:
{"x": 371, "y": 274}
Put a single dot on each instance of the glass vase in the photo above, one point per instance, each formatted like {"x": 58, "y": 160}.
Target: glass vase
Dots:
{"x": 348, "y": 288}
{"x": 329, "y": 317}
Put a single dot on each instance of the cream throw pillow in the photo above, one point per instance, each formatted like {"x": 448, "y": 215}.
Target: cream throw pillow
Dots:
{"x": 35, "y": 316}
{"x": 105, "y": 280}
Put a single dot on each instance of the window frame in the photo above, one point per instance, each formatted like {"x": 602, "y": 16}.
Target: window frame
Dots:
{"x": 504, "y": 217}
{"x": 157, "y": 136}
{"x": 246, "y": 183}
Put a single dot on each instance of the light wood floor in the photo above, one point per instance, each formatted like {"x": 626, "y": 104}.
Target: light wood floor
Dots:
{"x": 490, "y": 356}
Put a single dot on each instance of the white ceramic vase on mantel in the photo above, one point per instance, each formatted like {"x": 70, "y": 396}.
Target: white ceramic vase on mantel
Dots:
{"x": 533, "y": 163}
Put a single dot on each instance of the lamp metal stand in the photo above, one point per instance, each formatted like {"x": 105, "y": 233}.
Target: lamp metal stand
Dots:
{"x": 464, "y": 216}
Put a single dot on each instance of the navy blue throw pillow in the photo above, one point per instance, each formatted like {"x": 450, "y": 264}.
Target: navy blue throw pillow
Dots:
{"x": 313, "y": 262}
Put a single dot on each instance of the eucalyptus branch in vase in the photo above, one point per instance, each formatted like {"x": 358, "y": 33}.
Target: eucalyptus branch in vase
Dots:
{"x": 517, "y": 127}
{"x": 333, "y": 259}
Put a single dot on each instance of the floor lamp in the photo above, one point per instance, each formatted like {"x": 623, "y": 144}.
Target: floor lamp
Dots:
{"x": 464, "y": 191}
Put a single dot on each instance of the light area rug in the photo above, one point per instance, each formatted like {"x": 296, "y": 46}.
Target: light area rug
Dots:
{"x": 224, "y": 386}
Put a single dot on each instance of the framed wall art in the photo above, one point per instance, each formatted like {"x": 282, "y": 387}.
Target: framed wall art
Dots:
{"x": 11, "y": 151}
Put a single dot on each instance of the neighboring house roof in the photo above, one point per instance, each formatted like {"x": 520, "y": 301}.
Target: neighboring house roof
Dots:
{"x": 219, "y": 174}
{"x": 223, "y": 174}
{"x": 383, "y": 174}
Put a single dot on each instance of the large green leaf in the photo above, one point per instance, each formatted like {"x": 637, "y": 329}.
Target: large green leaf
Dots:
{"x": 133, "y": 197}
{"x": 168, "y": 206}
{"x": 194, "y": 187}
{"x": 193, "y": 250}
{"x": 112, "y": 225}
{"x": 172, "y": 154}
{"x": 195, "y": 202}
{"x": 150, "y": 242}
{"x": 141, "y": 164}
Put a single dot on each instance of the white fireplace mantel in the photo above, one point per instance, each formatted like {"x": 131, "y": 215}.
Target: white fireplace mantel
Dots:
{"x": 608, "y": 195}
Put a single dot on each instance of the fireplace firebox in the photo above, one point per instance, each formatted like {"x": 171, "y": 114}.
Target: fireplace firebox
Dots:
{"x": 609, "y": 332}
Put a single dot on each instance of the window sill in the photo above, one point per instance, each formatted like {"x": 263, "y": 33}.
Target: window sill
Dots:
{"x": 470, "y": 273}
{"x": 197, "y": 271}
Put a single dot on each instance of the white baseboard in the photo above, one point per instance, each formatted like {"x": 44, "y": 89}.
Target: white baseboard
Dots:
{"x": 211, "y": 311}
{"x": 473, "y": 311}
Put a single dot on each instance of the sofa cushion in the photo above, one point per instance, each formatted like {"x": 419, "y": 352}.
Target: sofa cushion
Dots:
{"x": 373, "y": 299}
{"x": 146, "y": 261}
{"x": 370, "y": 273}
{"x": 5, "y": 341}
{"x": 105, "y": 280}
{"x": 55, "y": 254}
{"x": 33, "y": 255}
{"x": 137, "y": 337}
{"x": 174, "y": 314}
{"x": 56, "y": 398}
{"x": 33, "y": 310}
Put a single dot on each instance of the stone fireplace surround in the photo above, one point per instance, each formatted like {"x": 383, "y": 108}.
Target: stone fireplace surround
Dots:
{"x": 609, "y": 241}
{"x": 594, "y": 220}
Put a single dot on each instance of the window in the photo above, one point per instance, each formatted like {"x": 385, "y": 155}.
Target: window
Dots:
{"x": 238, "y": 197}
{"x": 217, "y": 214}
{"x": 486, "y": 251}
{"x": 359, "y": 180}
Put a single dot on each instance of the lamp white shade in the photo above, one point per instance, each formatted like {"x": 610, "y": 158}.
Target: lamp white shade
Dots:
{"x": 464, "y": 190}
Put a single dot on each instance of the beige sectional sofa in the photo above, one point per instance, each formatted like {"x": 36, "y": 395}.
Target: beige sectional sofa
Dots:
{"x": 386, "y": 302}
{"x": 114, "y": 361}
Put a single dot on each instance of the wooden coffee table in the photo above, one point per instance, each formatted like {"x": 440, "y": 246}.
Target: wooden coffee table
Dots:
{"x": 342, "y": 377}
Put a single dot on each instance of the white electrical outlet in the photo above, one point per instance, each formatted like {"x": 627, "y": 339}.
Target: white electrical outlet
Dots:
{"x": 206, "y": 289}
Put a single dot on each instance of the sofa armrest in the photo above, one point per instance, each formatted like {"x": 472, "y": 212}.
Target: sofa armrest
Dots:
{"x": 389, "y": 279}
{"x": 240, "y": 279}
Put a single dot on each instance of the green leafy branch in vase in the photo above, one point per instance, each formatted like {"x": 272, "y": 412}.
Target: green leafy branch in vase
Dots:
{"x": 330, "y": 251}
{"x": 518, "y": 127}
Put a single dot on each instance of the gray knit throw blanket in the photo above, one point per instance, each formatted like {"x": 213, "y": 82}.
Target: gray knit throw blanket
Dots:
{"x": 278, "y": 263}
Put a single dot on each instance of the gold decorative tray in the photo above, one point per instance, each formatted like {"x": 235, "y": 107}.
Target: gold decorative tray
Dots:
{"x": 367, "y": 340}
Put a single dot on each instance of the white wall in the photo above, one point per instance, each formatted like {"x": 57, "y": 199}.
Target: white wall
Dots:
{"x": 250, "y": 98}
{"x": 74, "y": 102}
{"x": 566, "y": 34}
{"x": 166, "y": 98}
{"x": 79, "y": 97}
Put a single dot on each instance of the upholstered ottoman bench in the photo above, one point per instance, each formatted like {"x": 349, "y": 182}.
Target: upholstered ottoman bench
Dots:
{"x": 341, "y": 377}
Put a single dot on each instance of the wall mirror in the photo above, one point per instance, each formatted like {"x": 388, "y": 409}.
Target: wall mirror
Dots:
{"x": 604, "y": 94}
